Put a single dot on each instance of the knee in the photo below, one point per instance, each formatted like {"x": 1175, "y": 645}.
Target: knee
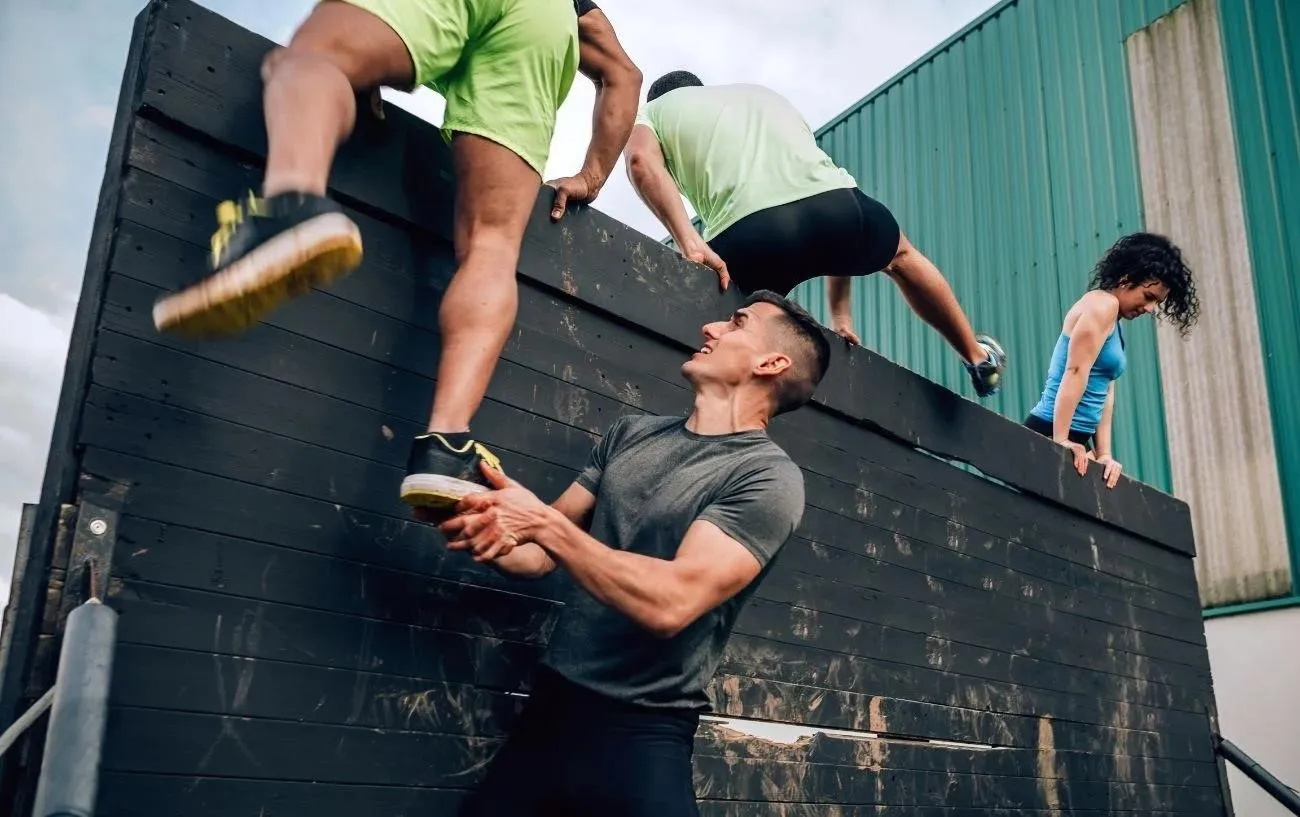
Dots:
{"x": 492, "y": 249}
{"x": 298, "y": 54}
{"x": 272, "y": 61}
{"x": 903, "y": 258}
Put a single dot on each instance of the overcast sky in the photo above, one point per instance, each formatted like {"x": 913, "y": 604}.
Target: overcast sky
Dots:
{"x": 61, "y": 63}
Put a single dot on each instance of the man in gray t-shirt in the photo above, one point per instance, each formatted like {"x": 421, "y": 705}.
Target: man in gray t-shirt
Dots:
{"x": 666, "y": 533}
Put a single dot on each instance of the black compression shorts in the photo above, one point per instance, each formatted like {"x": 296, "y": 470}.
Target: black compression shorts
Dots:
{"x": 1036, "y": 423}
{"x": 574, "y": 753}
{"x": 839, "y": 233}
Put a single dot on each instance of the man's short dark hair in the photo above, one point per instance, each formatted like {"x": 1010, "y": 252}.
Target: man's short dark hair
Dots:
{"x": 800, "y": 337}
{"x": 671, "y": 82}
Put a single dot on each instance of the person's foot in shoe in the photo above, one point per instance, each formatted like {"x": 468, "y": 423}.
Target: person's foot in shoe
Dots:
{"x": 986, "y": 375}
{"x": 265, "y": 251}
{"x": 444, "y": 468}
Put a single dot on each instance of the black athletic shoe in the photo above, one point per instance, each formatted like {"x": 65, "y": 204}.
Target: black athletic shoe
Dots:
{"x": 439, "y": 475}
{"x": 987, "y": 374}
{"x": 264, "y": 252}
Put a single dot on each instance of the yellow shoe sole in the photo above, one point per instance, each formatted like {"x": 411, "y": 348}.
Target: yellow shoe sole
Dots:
{"x": 314, "y": 253}
{"x": 437, "y": 492}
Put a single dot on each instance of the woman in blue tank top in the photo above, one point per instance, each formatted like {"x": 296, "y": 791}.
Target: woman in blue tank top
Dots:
{"x": 1140, "y": 274}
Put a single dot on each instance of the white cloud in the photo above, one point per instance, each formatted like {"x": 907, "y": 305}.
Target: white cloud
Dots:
{"x": 32, "y": 349}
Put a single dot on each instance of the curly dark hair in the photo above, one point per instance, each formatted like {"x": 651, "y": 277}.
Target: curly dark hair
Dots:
{"x": 1138, "y": 258}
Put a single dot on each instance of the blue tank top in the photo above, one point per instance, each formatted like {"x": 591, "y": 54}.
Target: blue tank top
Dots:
{"x": 1108, "y": 366}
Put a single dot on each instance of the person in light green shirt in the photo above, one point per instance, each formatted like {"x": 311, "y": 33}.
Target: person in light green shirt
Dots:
{"x": 777, "y": 211}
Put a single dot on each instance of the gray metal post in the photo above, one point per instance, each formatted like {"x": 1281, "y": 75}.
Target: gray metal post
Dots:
{"x": 74, "y": 738}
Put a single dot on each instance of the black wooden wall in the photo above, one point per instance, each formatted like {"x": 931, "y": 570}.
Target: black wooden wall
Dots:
{"x": 292, "y": 645}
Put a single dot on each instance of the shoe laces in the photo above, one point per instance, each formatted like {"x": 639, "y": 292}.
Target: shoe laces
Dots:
{"x": 230, "y": 214}
{"x": 479, "y": 449}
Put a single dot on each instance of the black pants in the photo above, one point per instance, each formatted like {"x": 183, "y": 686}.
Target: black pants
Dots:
{"x": 838, "y": 233}
{"x": 573, "y": 753}
{"x": 1043, "y": 427}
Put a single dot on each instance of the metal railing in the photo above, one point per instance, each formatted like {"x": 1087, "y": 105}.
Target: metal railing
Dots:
{"x": 1280, "y": 791}
{"x": 78, "y": 706}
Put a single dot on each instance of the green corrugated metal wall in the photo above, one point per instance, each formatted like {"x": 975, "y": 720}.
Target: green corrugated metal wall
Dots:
{"x": 1008, "y": 156}
{"x": 1262, "y": 58}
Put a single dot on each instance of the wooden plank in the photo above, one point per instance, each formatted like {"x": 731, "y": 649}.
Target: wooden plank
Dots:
{"x": 273, "y": 399}
{"x": 253, "y": 748}
{"x": 159, "y": 151}
{"x": 721, "y": 740}
{"x": 722, "y": 779}
{"x": 815, "y": 596}
{"x": 1172, "y": 734}
{"x": 205, "y": 79}
{"x": 165, "y": 207}
{"x": 941, "y": 548}
{"x": 844, "y": 636}
{"x": 402, "y": 275}
{"x": 452, "y": 600}
{"x": 200, "y": 796}
{"x": 169, "y": 617}
{"x": 171, "y": 378}
{"x": 182, "y": 497}
{"x": 181, "y": 557}
{"x": 144, "y": 428}
{"x": 400, "y": 336}
{"x": 1008, "y": 608}
{"x": 122, "y": 793}
{"x": 178, "y": 438}
{"x": 884, "y": 468}
{"x": 808, "y": 665}
{"x": 159, "y": 616}
{"x": 396, "y": 393}
{"x": 198, "y": 682}
{"x": 192, "y": 559}
{"x": 735, "y": 808}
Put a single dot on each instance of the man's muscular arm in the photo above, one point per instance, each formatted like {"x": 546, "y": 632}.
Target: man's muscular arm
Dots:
{"x": 618, "y": 86}
{"x": 648, "y": 172}
{"x": 663, "y": 596}
{"x": 531, "y": 561}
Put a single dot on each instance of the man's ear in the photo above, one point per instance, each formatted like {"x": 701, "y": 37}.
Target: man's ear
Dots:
{"x": 773, "y": 364}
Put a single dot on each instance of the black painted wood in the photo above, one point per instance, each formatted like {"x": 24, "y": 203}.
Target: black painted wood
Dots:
{"x": 131, "y": 425}
{"x": 345, "y": 531}
{"x": 155, "y": 259}
{"x": 291, "y": 642}
{"x": 252, "y": 748}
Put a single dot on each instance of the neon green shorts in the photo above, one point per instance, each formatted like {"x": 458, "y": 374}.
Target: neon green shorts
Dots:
{"x": 504, "y": 66}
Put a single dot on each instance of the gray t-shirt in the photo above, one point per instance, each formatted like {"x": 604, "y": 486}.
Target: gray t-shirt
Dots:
{"x": 653, "y": 478}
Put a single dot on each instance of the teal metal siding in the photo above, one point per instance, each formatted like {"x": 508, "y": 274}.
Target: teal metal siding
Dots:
{"x": 1008, "y": 155}
{"x": 1262, "y": 56}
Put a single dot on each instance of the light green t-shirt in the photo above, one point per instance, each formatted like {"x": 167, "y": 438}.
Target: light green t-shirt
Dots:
{"x": 736, "y": 149}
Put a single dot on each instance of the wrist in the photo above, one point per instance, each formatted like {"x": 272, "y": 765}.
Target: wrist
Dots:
{"x": 686, "y": 239}
{"x": 594, "y": 178}
{"x": 544, "y": 526}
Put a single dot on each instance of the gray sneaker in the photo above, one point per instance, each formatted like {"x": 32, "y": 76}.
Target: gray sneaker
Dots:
{"x": 987, "y": 374}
